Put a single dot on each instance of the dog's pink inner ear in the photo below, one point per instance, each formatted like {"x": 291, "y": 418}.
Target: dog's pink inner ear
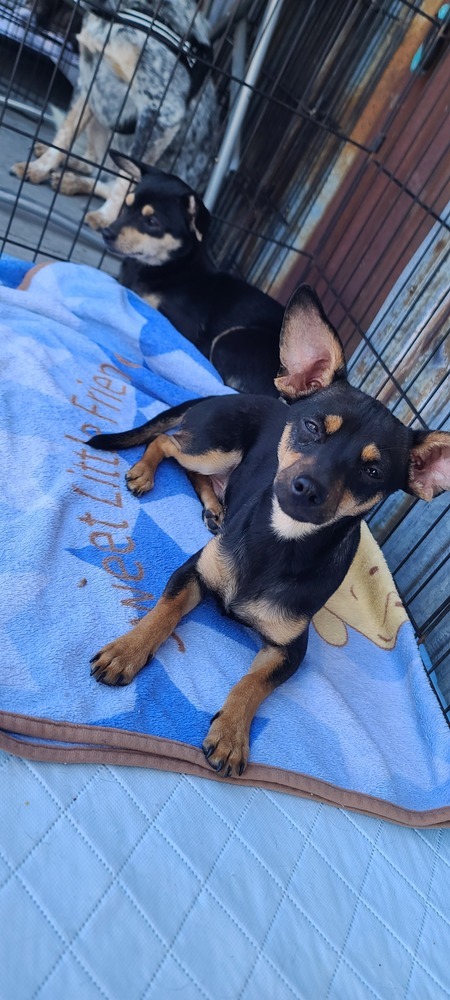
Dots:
{"x": 429, "y": 468}
{"x": 303, "y": 383}
{"x": 311, "y": 353}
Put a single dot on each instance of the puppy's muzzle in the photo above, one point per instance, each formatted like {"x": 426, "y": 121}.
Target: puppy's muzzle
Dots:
{"x": 109, "y": 238}
{"x": 308, "y": 492}
{"x": 303, "y": 497}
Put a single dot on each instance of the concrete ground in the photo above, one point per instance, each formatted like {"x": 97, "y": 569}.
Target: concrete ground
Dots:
{"x": 35, "y": 222}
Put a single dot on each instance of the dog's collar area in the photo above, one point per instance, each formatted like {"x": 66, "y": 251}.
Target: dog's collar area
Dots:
{"x": 193, "y": 54}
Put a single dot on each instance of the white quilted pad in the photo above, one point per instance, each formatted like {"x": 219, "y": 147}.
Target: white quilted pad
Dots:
{"x": 132, "y": 883}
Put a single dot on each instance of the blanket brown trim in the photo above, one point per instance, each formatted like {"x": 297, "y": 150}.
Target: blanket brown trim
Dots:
{"x": 106, "y": 745}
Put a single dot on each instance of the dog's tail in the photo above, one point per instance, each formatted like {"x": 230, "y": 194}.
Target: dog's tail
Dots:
{"x": 146, "y": 432}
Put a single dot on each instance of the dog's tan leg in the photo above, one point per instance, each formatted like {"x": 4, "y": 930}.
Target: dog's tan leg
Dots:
{"x": 212, "y": 507}
{"x": 226, "y": 746}
{"x": 66, "y": 182}
{"x": 141, "y": 476}
{"x": 119, "y": 661}
{"x": 109, "y": 212}
{"x": 75, "y": 122}
{"x": 39, "y": 149}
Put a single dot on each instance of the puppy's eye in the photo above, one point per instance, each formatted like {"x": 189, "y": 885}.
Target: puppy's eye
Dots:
{"x": 373, "y": 472}
{"x": 311, "y": 427}
{"x": 152, "y": 224}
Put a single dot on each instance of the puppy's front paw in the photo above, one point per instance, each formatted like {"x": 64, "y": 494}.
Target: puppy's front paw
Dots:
{"x": 226, "y": 746}
{"x": 18, "y": 169}
{"x": 139, "y": 478}
{"x": 117, "y": 663}
{"x": 30, "y": 172}
{"x": 97, "y": 220}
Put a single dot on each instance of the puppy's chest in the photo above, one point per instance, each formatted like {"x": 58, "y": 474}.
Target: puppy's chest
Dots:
{"x": 271, "y": 604}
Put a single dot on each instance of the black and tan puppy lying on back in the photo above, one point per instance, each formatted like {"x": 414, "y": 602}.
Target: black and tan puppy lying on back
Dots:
{"x": 294, "y": 483}
{"x": 162, "y": 234}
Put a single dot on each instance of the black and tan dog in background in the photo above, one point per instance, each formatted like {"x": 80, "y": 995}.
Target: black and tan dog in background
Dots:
{"x": 162, "y": 234}
{"x": 295, "y": 483}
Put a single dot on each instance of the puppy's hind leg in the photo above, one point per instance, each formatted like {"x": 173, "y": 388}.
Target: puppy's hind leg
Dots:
{"x": 213, "y": 511}
{"x": 141, "y": 476}
{"x": 67, "y": 182}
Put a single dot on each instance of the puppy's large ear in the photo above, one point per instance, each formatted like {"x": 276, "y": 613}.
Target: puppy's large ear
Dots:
{"x": 197, "y": 214}
{"x": 311, "y": 353}
{"x": 133, "y": 168}
{"x": 429, "y": 468}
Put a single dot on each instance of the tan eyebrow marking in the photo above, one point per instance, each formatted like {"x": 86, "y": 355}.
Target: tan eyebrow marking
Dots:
{"x": 332, "y": 423}
{"x": 148, "y": 210}
{"x": 129, "y": 200}
{"x": 370, "y": 453}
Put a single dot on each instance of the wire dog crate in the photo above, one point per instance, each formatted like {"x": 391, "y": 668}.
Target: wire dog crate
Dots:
{"x": 331, "y": 166}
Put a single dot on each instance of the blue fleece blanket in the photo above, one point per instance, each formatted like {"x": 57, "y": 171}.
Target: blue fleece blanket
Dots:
{"x": 358, "y": 725}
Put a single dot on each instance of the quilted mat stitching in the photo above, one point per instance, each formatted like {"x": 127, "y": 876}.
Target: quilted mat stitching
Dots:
{"x": 191, "y": 868}
{"x": 71, "y": 943}
{"x": 49, "y": 920}
{"x": 194, "y": 902}
{"x": 361, "y": 829}
{"x": 16, "y": 873}
{"x": 351, "y": 819}
{"x": 115, "y": 880}
{"x": 404, "y": 877}
{"x": 153, "y": 822}
{"x": 430, "y": 883}
{"x": 358, "y": 901}
{"x": 406, "y": 947}
{"x": 234, "y": 832}
{"x": 275, "y": 915}
{"x": 285, "y": 894}
{"x": 278, "y": 882}
{"x": 293, "y": 901}
{"x": 203, "y": 886}
{"x": 445, "y": 861}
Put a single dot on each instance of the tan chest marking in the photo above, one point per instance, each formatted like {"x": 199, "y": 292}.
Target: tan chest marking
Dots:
{"x": 271, "y": 621}
{"x": 217, "y": 570}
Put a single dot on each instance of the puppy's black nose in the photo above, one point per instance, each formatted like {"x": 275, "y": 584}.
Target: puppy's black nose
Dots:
{"x": 107, "y": 234}
{"x": 307, "y": 491}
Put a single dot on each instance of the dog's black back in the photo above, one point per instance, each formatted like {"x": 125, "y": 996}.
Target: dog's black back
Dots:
{"x": 162, "y": 234}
